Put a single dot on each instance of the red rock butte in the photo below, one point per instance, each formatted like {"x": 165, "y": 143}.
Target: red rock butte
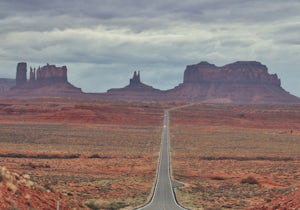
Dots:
{"x": 246, "y": 72}
{"x": 239, "y": 82}
{"x": 48, "y": 80}
{"x": 41, "y": 74}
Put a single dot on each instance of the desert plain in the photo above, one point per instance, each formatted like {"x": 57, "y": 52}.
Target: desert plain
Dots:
{"x": 95, "y": 154}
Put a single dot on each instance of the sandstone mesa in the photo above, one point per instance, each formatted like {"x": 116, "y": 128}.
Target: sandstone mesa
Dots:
{"x": 239, "y": 82}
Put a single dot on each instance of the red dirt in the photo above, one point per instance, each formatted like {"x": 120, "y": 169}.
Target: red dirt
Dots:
{"x": 215, "y": 147}
{"x": 290, "y": 201}
{"x": 19, "y": 191}
{"x": 43, "y": 133}
{"x": 123, "y": 173}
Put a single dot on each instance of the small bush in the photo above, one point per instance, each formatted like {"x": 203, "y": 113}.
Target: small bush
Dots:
{"x": 94, "y": 156}
{"x": 93, "y": 204}
{"x": 34, "y": 166}
{"x": 250, "y": 180}
{"x": 218, "y": 178}
{"x": 100, "y": 204}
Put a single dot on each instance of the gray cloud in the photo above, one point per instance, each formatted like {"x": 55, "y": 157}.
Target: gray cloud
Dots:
{"x": 103, "y": 41}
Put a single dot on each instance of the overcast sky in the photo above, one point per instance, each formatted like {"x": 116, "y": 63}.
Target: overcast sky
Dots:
{"x": 103, "y": 41}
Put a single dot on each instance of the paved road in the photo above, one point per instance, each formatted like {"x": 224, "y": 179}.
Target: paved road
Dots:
{"x": 163, "y": 197}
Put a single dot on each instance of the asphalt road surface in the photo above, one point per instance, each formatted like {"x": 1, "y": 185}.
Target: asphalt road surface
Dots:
{"x": 163, "y": 197}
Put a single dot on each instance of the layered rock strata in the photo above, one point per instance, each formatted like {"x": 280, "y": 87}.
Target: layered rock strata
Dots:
{"x": 239, "y": 82}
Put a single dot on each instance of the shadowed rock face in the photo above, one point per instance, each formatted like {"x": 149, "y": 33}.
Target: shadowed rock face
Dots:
{"x": 48, "y": 72}
{"x": 136, "y": 80}
{"x": 251, "y": 72}
{"x": 21, "y": 77}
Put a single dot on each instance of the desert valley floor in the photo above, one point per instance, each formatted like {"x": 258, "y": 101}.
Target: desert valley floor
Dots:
{"x": 95, "y": 154}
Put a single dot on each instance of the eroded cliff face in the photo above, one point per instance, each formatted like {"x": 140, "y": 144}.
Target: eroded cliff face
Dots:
{"x": 48, "y": 80}
{"x": 48, "y": 72}
{"x": 247, "y": 72}
{"x": 21, "y": 74}
{"x": 136, "y": 90}
{"x": 239, "y": 82}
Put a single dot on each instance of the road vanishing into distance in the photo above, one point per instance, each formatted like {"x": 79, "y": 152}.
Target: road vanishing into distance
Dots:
{"x": 163, "y": 197}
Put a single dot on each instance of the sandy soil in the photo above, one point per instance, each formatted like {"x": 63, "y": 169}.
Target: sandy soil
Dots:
{"x": 87, "y": 154}
{"x": 237, "y": 156}
{"x": 91, "y": 154}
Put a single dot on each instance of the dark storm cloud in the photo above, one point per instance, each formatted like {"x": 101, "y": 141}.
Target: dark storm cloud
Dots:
{"x": 99, "y": 37}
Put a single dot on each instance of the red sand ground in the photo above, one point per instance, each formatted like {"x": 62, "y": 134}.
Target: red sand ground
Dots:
{"x": 208, "y": 154}
{"x": 110, "y": 167}
{"x": 216, "y": 147}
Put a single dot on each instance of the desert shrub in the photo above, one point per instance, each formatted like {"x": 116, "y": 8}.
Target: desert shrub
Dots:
{"x": 219, "y": 178}
{"x": 5, "y": 174}
{"x": 249, "y": 180}
{"x": 34, "y": 166}
{"x": 116, "y": 205}
{"x": 99, "y": 156}
{"x": 100, "y": 204}
{"x": 72, "y": 156}
{"x": 94, "y": 156}
{"x": 41, "y": 156}
{"x": 238, "y": 158}
{"x": 47, "y": 186}
{"x": 93, "y": 204}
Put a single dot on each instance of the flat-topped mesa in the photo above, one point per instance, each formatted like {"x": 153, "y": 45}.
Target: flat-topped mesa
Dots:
{"x": 239, "y": 72}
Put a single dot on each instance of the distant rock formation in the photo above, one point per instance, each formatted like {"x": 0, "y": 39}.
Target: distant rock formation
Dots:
{"x": 21, "y": 75}
{"x": 239, "y": 82}
{"x": 48, "y": 72}
{"x": 47, "y": 80}
{"x": 250, "y": 72}
{"x": 136, "y": 90}
{"x": 135, "y": 84}
{"x": 136, "y": 80}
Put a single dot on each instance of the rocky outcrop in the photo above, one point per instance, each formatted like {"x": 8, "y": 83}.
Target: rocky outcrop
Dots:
{"x": 239, "y": 82}
{"x": 21, "y": 75}
{"x": 135, "y": 85}
{"x": 245, "y": 72}
{"x": 136, "y": 90}
{"x": 136, "y": 80}
{"x": 48, "y": 80}
{"x": 48, "y": 72}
